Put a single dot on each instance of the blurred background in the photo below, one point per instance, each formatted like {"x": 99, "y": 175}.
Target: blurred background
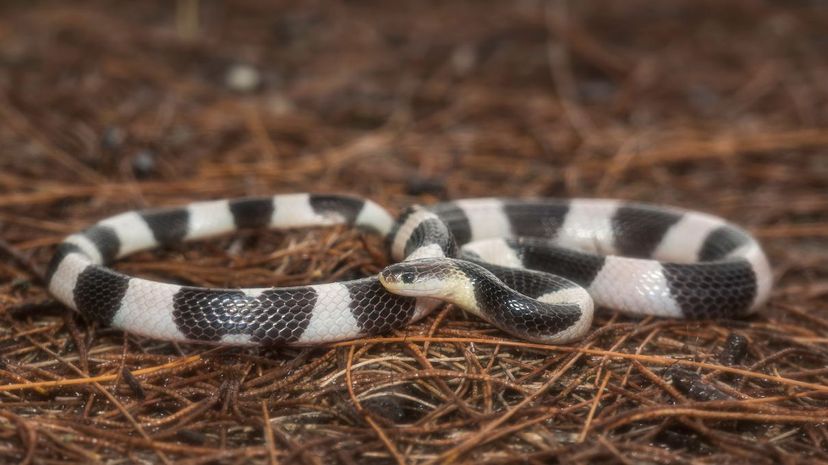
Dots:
{"x": 714, "y": 106}
{"x": 651, "y": 100}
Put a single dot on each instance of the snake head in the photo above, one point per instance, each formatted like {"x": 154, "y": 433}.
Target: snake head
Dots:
{"x": 425, "y": 277}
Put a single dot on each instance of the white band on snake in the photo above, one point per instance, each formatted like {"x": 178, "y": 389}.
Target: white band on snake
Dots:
{"x": 630, "y": 257}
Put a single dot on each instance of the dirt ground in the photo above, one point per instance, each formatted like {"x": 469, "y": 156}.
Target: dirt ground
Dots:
{"x": 110, "y": 106}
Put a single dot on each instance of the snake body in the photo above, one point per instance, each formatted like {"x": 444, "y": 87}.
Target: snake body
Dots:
{"x": 635, "y": 258}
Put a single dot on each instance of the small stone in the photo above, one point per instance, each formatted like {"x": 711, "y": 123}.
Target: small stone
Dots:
{"x": 734, "y": 351}
{"x": 113, "y": 137}
{"x": 692, "y": 385}
{"x": 242, "y": 78}
{"x": 143, "y": 164}
{"x": 388, "y": 407}
{"x": 463, "y": 59}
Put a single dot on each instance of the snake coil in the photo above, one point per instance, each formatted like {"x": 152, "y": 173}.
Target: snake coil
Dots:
{"x": 635, "y": 258}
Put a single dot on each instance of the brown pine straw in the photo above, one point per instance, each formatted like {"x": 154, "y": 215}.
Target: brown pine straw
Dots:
{"x": 175, "y": 364}
{"x": 374, "y": 425}
{"x": 647, "y": 358}
{"x": 713, "y": 106}
{"x": 595, "y": 402}
{"x": 499, "y": 342}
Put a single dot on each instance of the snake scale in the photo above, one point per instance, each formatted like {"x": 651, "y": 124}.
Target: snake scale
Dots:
{"x": 531, "y": 267}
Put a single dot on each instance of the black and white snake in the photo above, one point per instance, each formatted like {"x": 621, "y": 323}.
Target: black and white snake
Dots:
{"x": 631, "y": 257}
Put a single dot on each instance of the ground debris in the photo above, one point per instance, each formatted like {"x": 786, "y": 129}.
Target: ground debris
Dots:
{"x": 714, "y": 106}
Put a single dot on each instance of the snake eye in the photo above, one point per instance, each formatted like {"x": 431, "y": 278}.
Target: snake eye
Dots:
{"x": 407, "y": 277}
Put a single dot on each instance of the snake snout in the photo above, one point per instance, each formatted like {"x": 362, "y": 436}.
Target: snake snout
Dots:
{"x": 419, "y": 278}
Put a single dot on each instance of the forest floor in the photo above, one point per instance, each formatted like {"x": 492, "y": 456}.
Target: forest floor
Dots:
{"x": 715, "y": 106}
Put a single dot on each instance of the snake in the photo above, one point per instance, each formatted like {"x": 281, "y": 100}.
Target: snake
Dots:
{"x": 534, "y": 268}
